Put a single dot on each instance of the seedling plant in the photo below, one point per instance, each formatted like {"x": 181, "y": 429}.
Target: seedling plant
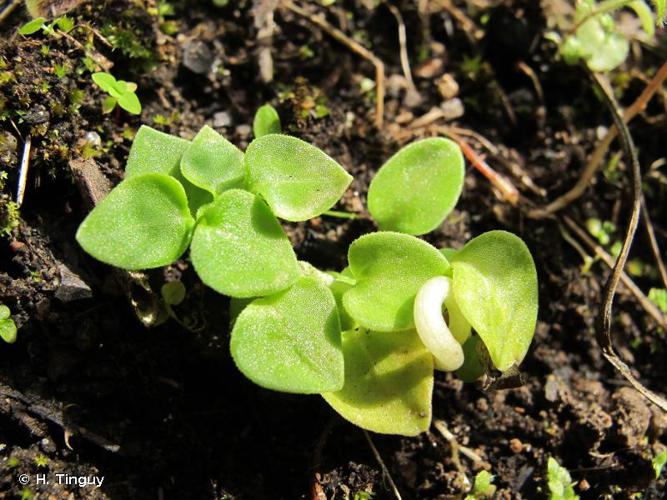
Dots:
{"x": 367, "y": 338}
{"x": 120, "y": 92}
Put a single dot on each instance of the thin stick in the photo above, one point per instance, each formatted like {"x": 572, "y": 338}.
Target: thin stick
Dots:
{"x": 441, "y": 427}
{"x": 385, "y": 471}
{"x": 601, "y": 150}
{"x": 506, "y": 188}
{"x": 355, "y": 47}
{"x": 605, "y": 316}
{"x": 9, "y": 9}
{"x": 655, "y": 248}
{"x": 23, "y": 171}
{"x": 403, "y": 42}
{"x": 600, "y": 252}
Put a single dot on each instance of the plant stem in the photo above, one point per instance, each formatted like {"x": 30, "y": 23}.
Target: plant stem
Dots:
{"x": 341, "y": 215}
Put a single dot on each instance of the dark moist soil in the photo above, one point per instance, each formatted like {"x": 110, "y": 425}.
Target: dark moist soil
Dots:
{"x": 162, "y": 412}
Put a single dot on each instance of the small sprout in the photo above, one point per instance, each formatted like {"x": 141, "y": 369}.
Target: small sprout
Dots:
{"x": 418, "y": 187}
{"x": 41, "y": 461}
{"x": 290, "y": 341}
{"x": 173, "y": 292}
{"x": 32, "y": 26}
{"x": 7, "y": 325}
{"x": 559, "y": 481}
{"x": 297, "y": 180}
{"x": 266, "y": 121}
{"x": 659, "y": 462}
{"x": 120, "y": 92}
{"x": 388, "y": 382}
{"x": 431, "y": 326}
{"x": 483, "y": 487}
{"x": 659, "y": 297}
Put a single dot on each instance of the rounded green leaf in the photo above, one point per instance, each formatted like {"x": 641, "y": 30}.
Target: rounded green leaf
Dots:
{"x": 8, "y": 331}
{"x": 266, "y": 121}
{"x": 239, "y": 248}
{"x": 32, "y": 26}
{"x": 297, "y": 180}
{"x": 290, "y": 341}
{"x": 173, "y": 292}
{"x": 495, "y": 286}
{"x": 474, "y": 352}
{"x": 5, "y": 312}
{"x": 388, "y": 382}
{"x": 155, "y": 151}
{"x": 213, "y": 163}
{"x": 144, "y": 222}
{"x": 389, "y": 269}
{"x": 416, "y": 188}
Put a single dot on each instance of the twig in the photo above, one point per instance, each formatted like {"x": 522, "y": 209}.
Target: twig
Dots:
{"x": 441, "y": 427}
{"x": 385, "y": 471}
{"x": 655, "y": 248}
{"x": 355, "y": 47}
{"x": 600, "y": 252}
{"x": 402, "y": 41}
{"x": 528, "y": 71}
{"x": 23, "y": 171}
{"x": 9, "y": 9}
{"x": 605, "y": 316}
{"x": 601, "y": 149}
{"x": 500, "y": 182}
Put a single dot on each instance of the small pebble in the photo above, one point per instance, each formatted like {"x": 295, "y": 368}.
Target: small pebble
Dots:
{"x": 447, "y": 86}
{"x": 452, "y": 109}
{"x": 222, "y": 119}
{"x": 516, "y": 445}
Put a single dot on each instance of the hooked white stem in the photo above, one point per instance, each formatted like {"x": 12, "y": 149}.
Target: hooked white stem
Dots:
{"x": 431, "y": 325}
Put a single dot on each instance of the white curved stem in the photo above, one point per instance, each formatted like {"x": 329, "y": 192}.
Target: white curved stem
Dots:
{"x": 431, "y": 326}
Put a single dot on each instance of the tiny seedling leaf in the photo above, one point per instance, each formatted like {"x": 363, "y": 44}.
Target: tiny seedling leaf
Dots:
{"x": 213, "y": 163}
{"x": 473, "y": 353}
{"x": 297, "y": 180}
{"x": 173, "y": 292}
{"x": 5, "y": 312}
{"x": 266, "y": 121}
{"x": 143, "y": 223}
{"x": 32, "y": 26}
{"x": 495, "y": 286}
{"x": 416, "y": 188}
{"x": 659, "y": 462}
{"x": 108, "y": 104}
{"x": 130, "y": 103}
{"x": 239, "y": 248}
{"x": 388, "y": 382}
{"x": 106, "y": 82}
{"x": 8, "y": 330}
{"x": 389, "y": 269}
{"x": 290, "y": 341}
{"x": 559, "y": 482}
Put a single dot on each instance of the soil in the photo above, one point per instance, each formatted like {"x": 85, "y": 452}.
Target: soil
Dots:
{"x": 162, "y": 412}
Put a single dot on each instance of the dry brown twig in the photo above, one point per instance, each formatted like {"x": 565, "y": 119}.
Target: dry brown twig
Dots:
{"x": 355, "y": 47}
{"x": 403, "y": 43}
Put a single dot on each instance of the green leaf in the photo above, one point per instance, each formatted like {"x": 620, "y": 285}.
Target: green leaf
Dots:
{"x": 416, "y": 188}
{"x": 659, "y": 11}
{"x": 108, "y": 104}
{"x": 239, "y": 248}
{"x": 473, "y": 354}
{"x": 266, "y": 121}
{"x": 645, "y": 15}
{"x": 8, "y": 331}
{"x": 290, "y": 341}
{"x": 659, "y": 462}
{"x": 388, "y": 382}
{"x": 213, "y": 163}
{"x": 338, "y": 288}
{"x": 173, "y": 292}
{"x": 559, "y": 482}
{"x": 5, "y": 312}
{"x": 389, "y": 268}
{"x": 106, "y": 82}
{"x": 495, "y": 286}
{"x": 130, "y": 103}
{"x": 155, "y": 151}
{"x": 297, "y": 180}
{"x": 659, "y": 297}
{"x": 32, "y": 26}
{"x": 65, "y": 23}
{"x": 143, "y": 223}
